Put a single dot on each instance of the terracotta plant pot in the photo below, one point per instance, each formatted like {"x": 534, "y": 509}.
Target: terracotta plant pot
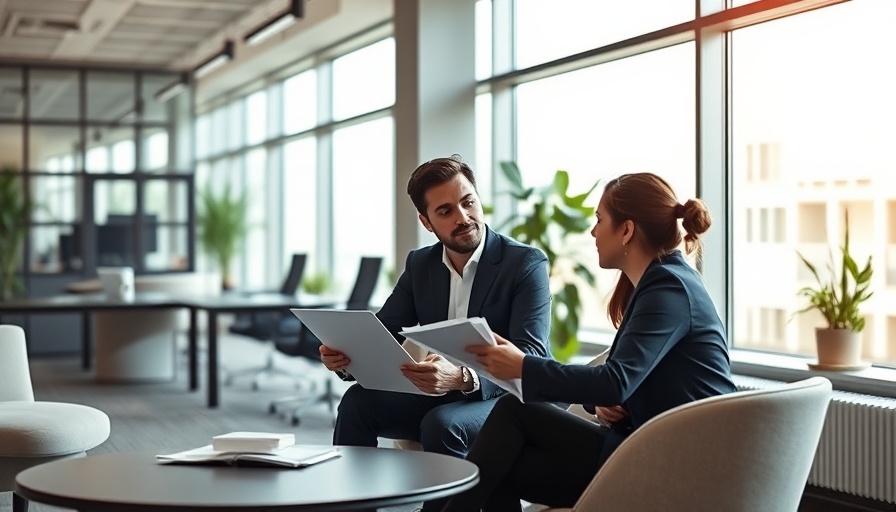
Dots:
{"x": 838, "y": 347}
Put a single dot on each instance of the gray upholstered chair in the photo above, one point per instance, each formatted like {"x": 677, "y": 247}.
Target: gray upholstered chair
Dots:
{"x": 33, "y": 432}
{"x": 741, "y": 452}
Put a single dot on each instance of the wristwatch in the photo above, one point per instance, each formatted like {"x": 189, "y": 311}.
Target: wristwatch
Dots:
{"x": 465, "y": 375}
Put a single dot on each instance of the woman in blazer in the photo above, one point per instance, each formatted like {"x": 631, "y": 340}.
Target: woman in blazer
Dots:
{"x": 669, "y": 349}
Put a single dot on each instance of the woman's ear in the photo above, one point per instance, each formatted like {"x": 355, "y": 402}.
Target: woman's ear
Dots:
{"x": 628, "y": 231}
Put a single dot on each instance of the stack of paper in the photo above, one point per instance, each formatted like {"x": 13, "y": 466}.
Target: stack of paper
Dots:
{"x": 449, "y": 338}
{"x": 258, "y": 442}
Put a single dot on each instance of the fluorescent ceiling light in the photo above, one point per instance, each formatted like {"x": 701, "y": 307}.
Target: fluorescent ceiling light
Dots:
{"x": 277, "y": 24}
{"x": 215, "y": 62}
{"x": 170, "y": 91}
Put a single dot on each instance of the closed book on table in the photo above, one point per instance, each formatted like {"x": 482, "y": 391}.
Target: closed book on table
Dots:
{"x": 252, "y": 441}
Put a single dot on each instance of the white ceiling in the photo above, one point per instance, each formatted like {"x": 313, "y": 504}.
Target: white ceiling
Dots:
{"x": 136, "y": 33}
{"x": 173, "y": 34}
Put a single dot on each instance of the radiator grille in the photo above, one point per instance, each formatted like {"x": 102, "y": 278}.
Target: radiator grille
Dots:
{"x": 857, "y": 450}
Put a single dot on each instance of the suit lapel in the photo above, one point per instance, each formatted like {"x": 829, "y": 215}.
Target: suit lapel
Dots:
{"x": 440, "y": 287}
{"x": 486, "y": 272}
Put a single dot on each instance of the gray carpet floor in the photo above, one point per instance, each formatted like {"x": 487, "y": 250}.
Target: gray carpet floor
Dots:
{"x": 165, "y": 417}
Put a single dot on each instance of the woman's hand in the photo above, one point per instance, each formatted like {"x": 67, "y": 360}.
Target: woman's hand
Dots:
{"x": 504, "y": 361}
{"x": 334, "y": 360}
{"x": 608, "y": 416}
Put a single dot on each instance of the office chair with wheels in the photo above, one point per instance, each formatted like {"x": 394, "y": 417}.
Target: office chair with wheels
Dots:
{"x": 305, "y": 344}
{"x": 268, "y": 326}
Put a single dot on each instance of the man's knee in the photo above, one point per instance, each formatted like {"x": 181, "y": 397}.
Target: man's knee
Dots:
{"x": 353, "y": 400}
{"x": 450, "y": 429}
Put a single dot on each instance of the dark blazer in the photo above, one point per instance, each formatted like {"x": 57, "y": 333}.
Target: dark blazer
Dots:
{"x": 510, "y": 291}
{"x": 669, "y": 350}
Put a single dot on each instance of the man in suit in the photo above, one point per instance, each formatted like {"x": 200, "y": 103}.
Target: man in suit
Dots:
{"x": 472, "y": 271}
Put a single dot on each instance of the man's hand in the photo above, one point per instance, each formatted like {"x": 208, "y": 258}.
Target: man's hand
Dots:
{"x": 434, "y": 374}
{"x": 334, "y": 360}
{"x": 607, "y": 416}
{"x": 504, "y": 361}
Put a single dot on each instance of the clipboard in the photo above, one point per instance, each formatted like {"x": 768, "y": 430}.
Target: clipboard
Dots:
{"x": 376, "y": 357}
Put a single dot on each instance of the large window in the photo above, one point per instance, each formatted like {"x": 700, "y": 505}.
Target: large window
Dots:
{"x": 814, "y": 125}
{"x": 299, "y": 193}
{"x": 316, "y": 143}
{"x": 363, "y": 197}
{"x": 84, "y": 141}
{"x": 630, "y": 115}
{"x": 574, "y": 26}
{"x": 364, "y": 80}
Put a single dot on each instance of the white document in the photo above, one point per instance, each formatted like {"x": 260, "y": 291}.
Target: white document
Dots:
{"x": 449, "y": 339}
{"x": 376, "y": 357}
{"x": 292, "y": 456}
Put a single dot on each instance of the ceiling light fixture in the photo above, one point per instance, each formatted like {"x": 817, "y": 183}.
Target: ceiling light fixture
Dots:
{"x": 216, "y": 61}
{"x": 276, "y": 24}
{"x": 169, "y": 91}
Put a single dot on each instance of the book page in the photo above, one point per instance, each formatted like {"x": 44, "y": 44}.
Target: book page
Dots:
{"x": 292, "y": 456}
{"x": 450, "y": 338}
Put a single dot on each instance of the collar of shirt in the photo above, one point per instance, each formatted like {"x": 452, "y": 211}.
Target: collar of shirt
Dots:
{"x": 462, "y": 285}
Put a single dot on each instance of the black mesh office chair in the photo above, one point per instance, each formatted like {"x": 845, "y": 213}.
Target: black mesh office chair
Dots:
{"x": 306, "y": 344}
{"x": 268, "y": 326}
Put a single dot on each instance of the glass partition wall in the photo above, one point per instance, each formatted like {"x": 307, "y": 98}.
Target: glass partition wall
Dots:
{"x": 99, "y": 155}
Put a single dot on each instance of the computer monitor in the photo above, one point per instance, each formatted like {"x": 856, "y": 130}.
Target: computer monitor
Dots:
{"x": 115, "y": 239}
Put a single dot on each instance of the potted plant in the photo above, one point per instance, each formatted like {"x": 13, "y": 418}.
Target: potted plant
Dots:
{"x": 222, "y": 227}
{"x": 837, "y": 296}
{"x": 316, "y": 284}
{"x": 554, "y": 215}
{"x": 15, "y": 209}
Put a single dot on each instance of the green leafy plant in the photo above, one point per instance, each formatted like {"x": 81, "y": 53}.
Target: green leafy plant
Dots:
{"x": 316, "y": 283}
{"x": 838, "y": 296}
{"x": 15, "y": 209}
{"x": 222, "y": 227}
{"x": 552, "y": 216}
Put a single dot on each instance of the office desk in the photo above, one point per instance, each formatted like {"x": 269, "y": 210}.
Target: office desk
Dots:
{"x": 213, "y": 305}
{"x": 361, "y": 478}
{"x": 86, "y": 304}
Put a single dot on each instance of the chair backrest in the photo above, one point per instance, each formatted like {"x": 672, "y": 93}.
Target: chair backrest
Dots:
{"x": 294, "y": 277}
{"x": 365, "y": 283}
{"x": 741, "y": 452}
{"x": 307, "y": 343}
{"x": 15, "y": 378}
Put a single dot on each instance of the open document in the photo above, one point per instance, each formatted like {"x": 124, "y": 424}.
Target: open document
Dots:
{"x": 449, "y": 338}
{"x": 376, "y": 357}
{"x": 295, "y": 456}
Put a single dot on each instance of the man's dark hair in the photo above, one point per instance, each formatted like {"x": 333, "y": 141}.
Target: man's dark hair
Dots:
{"x": 434, "y": 173}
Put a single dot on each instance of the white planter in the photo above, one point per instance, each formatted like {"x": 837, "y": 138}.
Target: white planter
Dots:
{"x": 838, "y": 348}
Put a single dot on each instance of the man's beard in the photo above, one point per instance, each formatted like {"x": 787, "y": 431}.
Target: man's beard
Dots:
{"x": 468, "y": 245}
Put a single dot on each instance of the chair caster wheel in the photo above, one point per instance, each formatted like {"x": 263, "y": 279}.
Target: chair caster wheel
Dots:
{"x": 295, "y": 422}
{"x": 272, "y": 409}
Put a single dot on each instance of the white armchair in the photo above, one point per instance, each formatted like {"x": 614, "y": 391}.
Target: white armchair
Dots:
{"x": 33, "y": 432}
{"x": 740, "y": 452}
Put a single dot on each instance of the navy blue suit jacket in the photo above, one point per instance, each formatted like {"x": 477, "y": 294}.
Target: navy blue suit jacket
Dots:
{"x": 669, "y": 350}
{"x": 511, "y": 291}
